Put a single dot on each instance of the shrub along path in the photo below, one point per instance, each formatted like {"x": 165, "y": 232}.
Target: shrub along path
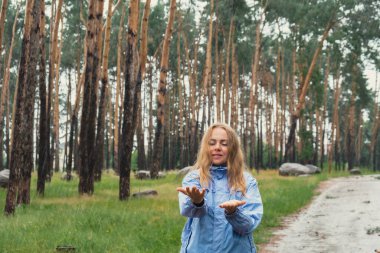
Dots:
{"x": 344, "y": 217}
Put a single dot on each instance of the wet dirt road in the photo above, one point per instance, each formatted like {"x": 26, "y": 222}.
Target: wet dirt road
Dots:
{"x": 344, "y": 217}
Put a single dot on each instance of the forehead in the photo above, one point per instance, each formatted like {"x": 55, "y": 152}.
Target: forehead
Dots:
{"x": 219, "y": 134}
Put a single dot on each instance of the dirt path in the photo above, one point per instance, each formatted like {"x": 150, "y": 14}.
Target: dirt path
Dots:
{"x": 344, "y": 217}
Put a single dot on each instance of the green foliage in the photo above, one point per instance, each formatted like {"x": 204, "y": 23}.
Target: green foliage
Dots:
{"x": 317, "y": 89}
{"x": 157, "y": 26}
{"x": 306, "y": 154}
{"x": 73, "y": 35}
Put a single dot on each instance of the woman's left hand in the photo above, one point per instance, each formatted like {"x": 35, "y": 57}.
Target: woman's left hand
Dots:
{"x": 231, "y": 205}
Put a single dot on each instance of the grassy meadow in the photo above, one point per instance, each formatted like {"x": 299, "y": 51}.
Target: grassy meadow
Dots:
{"x": 102, "y": 223}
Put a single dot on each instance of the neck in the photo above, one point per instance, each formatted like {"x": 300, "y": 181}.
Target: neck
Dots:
{"x": 219, "y": 165}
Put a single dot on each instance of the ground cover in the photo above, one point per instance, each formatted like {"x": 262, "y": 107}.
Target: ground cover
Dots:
{"x": 102, "y": 223}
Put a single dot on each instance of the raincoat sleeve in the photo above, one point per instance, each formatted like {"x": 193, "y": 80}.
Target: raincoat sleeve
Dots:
{"x": 186, "y": 206}
{"x": 247, "y": 217}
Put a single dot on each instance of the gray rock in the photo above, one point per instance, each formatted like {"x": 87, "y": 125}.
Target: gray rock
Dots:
{"x": 313, "y": 168}
{"x": 295, "y": 169}
{"x": 142, "y": 174}
{"x": 145, "y": 193}
{"x": 4, "y": 178}
{"x": 65, "y": 248}
{"x": 355, "y": 171}
{"x": 161, "y": 174}
{"x": 145, "y": 174}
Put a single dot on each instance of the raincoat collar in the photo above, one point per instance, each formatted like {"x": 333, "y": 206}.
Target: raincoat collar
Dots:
{"x": 219, "y": 171}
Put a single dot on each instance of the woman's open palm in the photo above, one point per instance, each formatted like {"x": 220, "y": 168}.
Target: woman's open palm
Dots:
{"x": 194, "y": 193}
{"x": 231, "y": 205}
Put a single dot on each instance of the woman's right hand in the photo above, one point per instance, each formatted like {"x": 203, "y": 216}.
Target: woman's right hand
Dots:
{"x": 194, "y": 193}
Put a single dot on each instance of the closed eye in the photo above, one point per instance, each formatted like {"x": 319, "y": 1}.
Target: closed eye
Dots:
{"x": 214, "y": 142}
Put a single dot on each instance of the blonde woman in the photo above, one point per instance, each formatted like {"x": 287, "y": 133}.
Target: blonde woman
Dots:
{"x": 221, "y": 200}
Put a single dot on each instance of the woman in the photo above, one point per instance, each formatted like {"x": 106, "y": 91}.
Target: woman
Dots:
{"x": 220, "y": 199}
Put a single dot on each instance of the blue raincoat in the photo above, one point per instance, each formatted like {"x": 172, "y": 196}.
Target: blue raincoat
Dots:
{"x": 208, "y": 228}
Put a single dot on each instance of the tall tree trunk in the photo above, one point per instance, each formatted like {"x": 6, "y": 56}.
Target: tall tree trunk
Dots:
{"x": 3, "y": 13}
{"x": 130, "y": 99}
{"x": 253, "y": 88}
{"x": 99, "y": 145}
{"x": 50, "y": 144}
{"x": 353, "y": 119}
{"x": 158, "y": 140}
{"x": 5, "y": 88}
{"x": 217, "y": 73}
{"x": 268, "y": 123}
{"x": 192, "y": 96}
{"x": 259, "y": 116}
{"x": 109, "y": 134}
{"x": 7, "y": 138}
{"x": 227, "y": 72}
{"x": 324, "y": 116}
{"x": 292, "y": 100}
{"x": 43, "y": 165}
{"x": 21, "y": 163}
{"x": 284, "y": 95}
{"x": 359, "y": 139}
{"x": 207, "y": 67}
{"x": 334, "y": 125}
{"x": 173, "y": 134}
{"x": 350, "y": 142}
{"x": 150, "y": 113}
{"x": 166, "y": 147}
{"x": 56, "y": 111}
{"x": 98, "y": 160}
{"x": 28, "y": 103}
{"x": 117, "y": 95}
{"x": 375, "y": 130}
{"x": 338, "y": 146}
{"x": 53, "y": 66}
{"x": 318, "y": 132}
{"x": 74, "y": 119}
{"x": 301, "y": 100}
{"x": 244, "y": 118}
{"x": 141, "y": 159}
{"x": 186, "y": 130}
{"x": 277, "y": 132}
{"x": 181, "y": 140}
{"x": 235, "y": 83}
{"x": 68, "y": 115}
{"x": 87, "y": 129}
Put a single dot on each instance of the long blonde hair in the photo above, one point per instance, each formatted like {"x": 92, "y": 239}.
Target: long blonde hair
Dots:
{"x": 235, "y": 159}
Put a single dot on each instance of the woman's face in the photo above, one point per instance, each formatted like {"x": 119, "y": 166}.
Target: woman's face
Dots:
{"x": 218, "y": 146}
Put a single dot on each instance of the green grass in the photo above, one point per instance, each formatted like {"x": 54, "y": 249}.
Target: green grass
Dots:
{"x": 102, "y": 223}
